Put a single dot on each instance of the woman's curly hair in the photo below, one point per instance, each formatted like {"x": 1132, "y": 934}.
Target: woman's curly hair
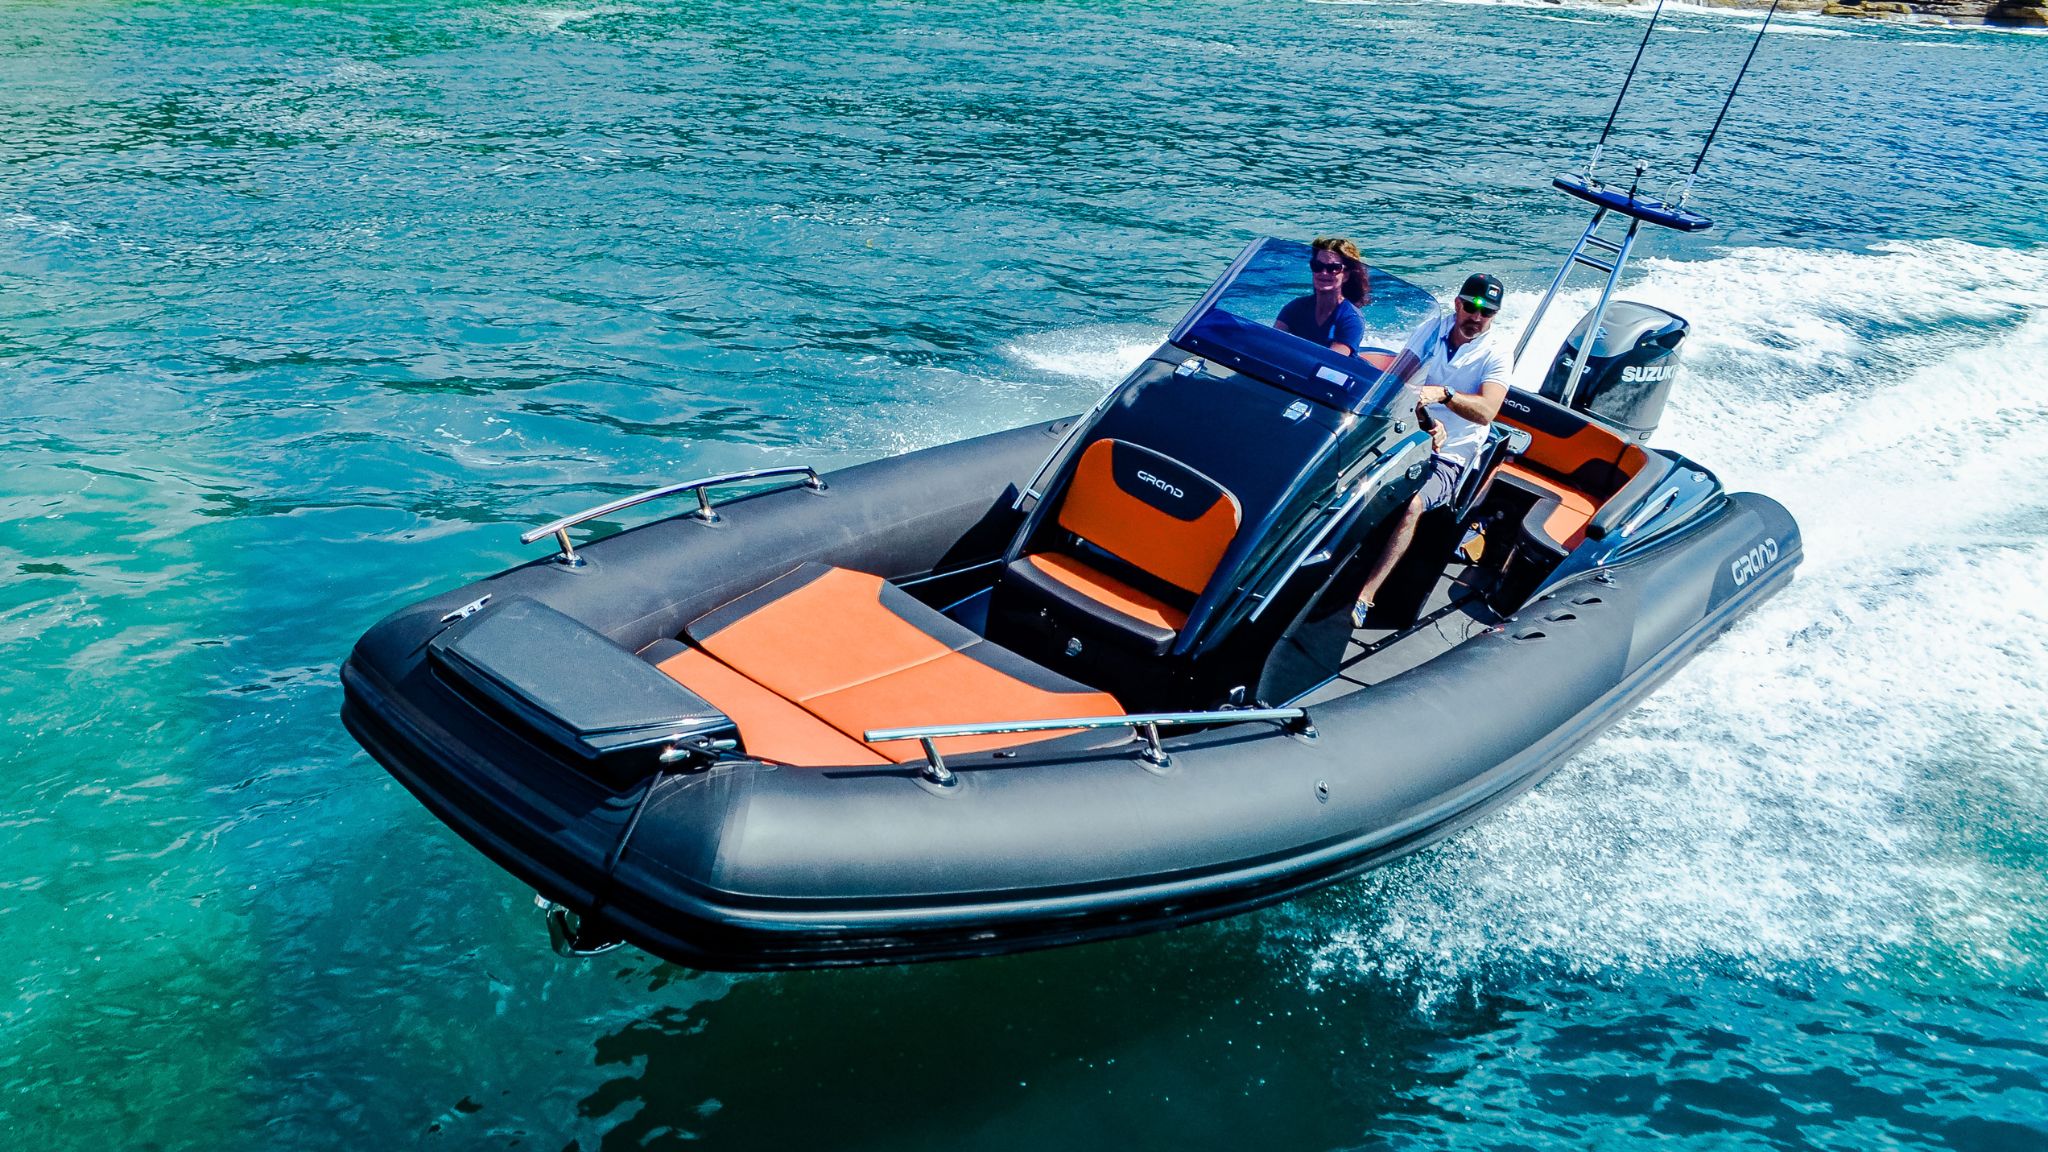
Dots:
{"x": 1355, "y": 287}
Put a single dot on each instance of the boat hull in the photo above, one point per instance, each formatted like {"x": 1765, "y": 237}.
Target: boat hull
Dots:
{"x": 752, "y": 866}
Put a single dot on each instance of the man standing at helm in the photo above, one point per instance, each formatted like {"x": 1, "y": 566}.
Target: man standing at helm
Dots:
{"x": 1464, "y": 371}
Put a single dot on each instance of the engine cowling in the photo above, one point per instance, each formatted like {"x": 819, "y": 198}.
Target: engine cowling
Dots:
{"x": 1630, "y": 369}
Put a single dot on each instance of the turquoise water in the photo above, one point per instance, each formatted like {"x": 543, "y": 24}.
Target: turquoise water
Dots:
{"x": 306, "y": 309}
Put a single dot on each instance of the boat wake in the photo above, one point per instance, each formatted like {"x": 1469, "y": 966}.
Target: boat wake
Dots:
{"x": 1101, "y": 355}
{"x": 1828, "y": 787}
{"x": 1819, "y": 787}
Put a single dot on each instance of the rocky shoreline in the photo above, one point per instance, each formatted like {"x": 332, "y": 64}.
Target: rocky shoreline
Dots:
{"x": 1998, "y": 13}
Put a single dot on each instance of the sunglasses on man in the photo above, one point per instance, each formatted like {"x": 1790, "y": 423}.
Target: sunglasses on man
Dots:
{"x": 1475, "y": 308}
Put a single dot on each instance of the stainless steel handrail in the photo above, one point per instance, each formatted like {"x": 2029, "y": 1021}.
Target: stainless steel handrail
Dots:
{"x": 1030, "y": 490}
{"x": 1081, "y": 424}
{"x": 1649, "y": 511}
{"x": 1146, "y": 723}
{"x": 1366, "y": 483}
{"x": 559, "y": 529}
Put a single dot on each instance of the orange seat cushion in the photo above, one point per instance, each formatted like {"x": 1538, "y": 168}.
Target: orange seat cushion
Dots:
{"x": 772, "y": 727}
{"x": 1566, "y": 523}
{"x": 1157, "y": 515}
{"x": 956, "y": 688}
{"x": 1579, "y": 467}
{"x": 820, "y": 629}
{"x": 1108, "y": 590}
{"x": 846, "y": 652}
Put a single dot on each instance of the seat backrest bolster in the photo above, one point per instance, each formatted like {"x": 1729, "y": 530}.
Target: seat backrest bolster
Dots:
{"x": 1151, "y": 512}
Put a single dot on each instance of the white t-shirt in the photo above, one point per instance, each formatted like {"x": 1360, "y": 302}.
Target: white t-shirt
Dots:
{"x": 1473, "y": 364}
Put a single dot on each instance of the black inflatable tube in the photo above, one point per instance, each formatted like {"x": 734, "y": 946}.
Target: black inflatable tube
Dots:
{"x": 750, "y": 867}
{"x": 771, "y": 934}
{"x": 707, "y": 934}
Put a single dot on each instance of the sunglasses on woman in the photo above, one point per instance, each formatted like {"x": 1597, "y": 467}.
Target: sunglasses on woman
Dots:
{"x": 1321, "y": 266}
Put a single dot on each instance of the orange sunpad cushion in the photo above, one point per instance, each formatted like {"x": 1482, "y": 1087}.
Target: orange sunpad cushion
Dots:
{"x": 956, "y": 688}
{"x": 819, "y": 629}
{"x": 773, "y": 728}
{"x": 853, "y": 652}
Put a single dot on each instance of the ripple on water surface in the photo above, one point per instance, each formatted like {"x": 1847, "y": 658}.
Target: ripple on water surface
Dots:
{"x": 304, "y": 310}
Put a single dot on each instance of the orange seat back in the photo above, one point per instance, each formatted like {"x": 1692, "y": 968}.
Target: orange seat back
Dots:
{"x": 1633, "y": 457}
{"x": 1563, "y": 456}
{"x": 1150, "y": 511}
{"x": 1589, "y": 458}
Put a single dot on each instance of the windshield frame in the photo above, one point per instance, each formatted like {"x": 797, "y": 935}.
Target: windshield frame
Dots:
{"x": 1251, "y": 345}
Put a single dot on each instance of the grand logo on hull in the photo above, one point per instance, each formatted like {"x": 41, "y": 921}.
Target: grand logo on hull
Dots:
{"x": 1754, "y": 561}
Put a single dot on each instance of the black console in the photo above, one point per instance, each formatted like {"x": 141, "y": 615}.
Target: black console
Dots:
{"x": 548, "y": 676}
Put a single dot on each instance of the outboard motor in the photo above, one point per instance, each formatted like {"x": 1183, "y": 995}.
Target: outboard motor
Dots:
{"x": 1630, "y": 368}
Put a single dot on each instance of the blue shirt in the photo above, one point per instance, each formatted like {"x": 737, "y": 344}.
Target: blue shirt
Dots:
{"x": 1345, "y": 327}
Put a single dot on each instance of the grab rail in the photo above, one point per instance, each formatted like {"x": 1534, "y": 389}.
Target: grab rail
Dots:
{"x": 1081, "y": 424}
{"x": 1146, "y": 723}
{"x": 1649, "y": 511}
{"x": 1030, "y": 490}
{"x": 559, "y": 529}
{"x": 1366, "y": 483}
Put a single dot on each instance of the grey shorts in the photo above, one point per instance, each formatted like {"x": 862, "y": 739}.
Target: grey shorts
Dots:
{"x": 1440, "y": 487}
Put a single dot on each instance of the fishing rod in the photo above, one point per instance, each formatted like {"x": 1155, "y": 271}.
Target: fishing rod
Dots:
{"x": 1594, "y": 161}
{"x": 1611, "y": 256}
{"x": 1694, "y": 175}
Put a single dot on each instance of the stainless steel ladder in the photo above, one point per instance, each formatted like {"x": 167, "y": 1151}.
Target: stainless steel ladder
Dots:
{"x": 1617, "y": 252}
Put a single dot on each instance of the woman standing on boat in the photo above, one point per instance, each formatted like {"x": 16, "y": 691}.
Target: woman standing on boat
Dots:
{"x": 1329, "y": 315}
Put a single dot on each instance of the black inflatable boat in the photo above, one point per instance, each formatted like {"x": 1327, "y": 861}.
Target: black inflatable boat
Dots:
{"x": 1076, "y": 680}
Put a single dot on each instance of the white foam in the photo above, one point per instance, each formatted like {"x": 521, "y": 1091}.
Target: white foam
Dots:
{"x": 556, "y": 19}
{"x": 1732, "y": 19}
{"x": 28, "y": 222}
{"x": 1810, "y": 790}
{"x": 1100, "y": 355}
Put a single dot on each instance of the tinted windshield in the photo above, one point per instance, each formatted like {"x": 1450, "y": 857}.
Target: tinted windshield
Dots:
{"x": 1234, "y": 326}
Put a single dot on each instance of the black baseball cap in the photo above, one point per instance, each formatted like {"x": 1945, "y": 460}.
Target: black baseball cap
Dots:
{"x": 1481, "y": 291}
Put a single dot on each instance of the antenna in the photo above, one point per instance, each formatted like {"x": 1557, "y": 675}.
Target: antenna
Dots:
{"x": 1637, "y": 209}
{"x": 1686, "y": 194}
{"x": 1594, "y": 161}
